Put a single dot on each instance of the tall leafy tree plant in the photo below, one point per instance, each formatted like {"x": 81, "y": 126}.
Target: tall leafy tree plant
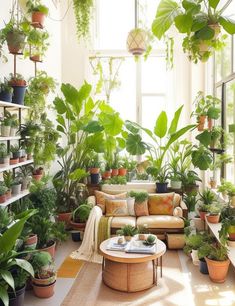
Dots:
{"x": 199, "y": 21}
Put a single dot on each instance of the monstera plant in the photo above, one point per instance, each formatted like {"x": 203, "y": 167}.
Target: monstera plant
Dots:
{"x": 199, "y": 21}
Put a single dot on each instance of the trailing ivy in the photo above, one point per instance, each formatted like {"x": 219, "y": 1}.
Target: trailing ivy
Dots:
{"x": 82, "y": 11}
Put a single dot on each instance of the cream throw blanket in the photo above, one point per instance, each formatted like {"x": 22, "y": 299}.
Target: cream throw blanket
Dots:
{"x": 89, "y": 248}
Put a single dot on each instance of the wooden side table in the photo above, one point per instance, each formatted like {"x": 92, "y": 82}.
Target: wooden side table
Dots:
{"x": 131, "y": 272}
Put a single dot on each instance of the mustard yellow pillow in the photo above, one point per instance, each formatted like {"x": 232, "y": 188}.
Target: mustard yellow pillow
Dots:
{"x": 116, "y": 208}
{"x": 161, "y": 204}
{"x": 102, "y": 196}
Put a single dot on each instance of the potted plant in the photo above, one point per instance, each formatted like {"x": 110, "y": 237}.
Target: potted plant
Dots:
{"x": 15, "y": 154}
{"x": 37, "y": 173}
{"x": 207, "y": 197}
{"x": 19, "y": 86}
{"x": 80, "y": 216}
{"x": 201, "y": 109}
{"x": 216, "y": 133}
{"x": 203, "y": 252}
{"x": 25, "y": 176}
{"x": 8, "y": 180}
{"x": 228, "y": 188}
{"x": 4, "y": 156}
{"x": 192, "y": 244}
{"x": 6, "y": 127}
{"x": 114, "y": 165}
{"x": 218, "y": 262}
{"x": 3, "y": 190}
{"x": 107, "y": 172}
{"x": 16, "y": 186}
{"x": 30, "y": 241}
{"x": 218, "y": 161}
{"x": 142, "y": 231}
{"x": 38, "y": 41}
{"x": 160, "y": 175}
{"x": 227, "y": 231}
{"x": 190, "y": 199}
{"x": 95, "y": 169}
{"x": 123, "y": 165}
{"x": 6, "y": 92}
{"x": 201, "y": 35}
{"x": 213, "y": 215}
{"x": 44, "y": 278}
{"x": 38, "y": 12}
{"x": 14, "y": 125}
{"x": 127, "y": 231}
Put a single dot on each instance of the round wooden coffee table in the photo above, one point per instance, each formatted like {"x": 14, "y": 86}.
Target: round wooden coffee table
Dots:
{"x": 130, "y": 272}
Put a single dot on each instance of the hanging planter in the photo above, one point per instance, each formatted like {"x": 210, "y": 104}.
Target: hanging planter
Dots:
{"x": 38, "y": 13}
{"x": 137, "y": 41}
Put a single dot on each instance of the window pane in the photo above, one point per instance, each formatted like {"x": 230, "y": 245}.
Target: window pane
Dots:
{"x": 230, "y": 122}
{"x": 154, "y": 75}
{"x": 224, "y": 60}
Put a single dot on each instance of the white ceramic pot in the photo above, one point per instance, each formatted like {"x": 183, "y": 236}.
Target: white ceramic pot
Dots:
{"x": 176, "y": 184}
{"x": 199, "y": 224}
{"x": 5, "y": 131}
{"x": 13, "y": 132}
{"x": 195, "y": 258}
{"x": 16, "y": 189}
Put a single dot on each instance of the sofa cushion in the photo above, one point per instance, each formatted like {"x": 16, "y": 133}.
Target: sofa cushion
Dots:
{"x": 118, "y": 222}
{"x": 161, "y": 204}
{"x": 116, "y": 207}
{"x": 131, "y": 206}
{"x": 160, "y": 221}
{"x": 101, "y": 196}
{"x": 141, "y": 209}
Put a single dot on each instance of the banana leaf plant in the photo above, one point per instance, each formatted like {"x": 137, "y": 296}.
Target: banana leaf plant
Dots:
{"x": 162, "y": 135}
{"x": 199, "y": 21}
{"x": 9, "y": 257}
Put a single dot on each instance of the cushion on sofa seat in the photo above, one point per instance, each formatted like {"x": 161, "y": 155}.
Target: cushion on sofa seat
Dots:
{"x": 160, "y": 221}
{"x": 118, "y": 222}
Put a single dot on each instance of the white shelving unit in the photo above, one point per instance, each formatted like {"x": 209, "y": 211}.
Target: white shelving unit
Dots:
{"x": 13, "y": 105}
{"x": 15, "y": 198}
{"x": 215, "y": 228}
{"x": 10, "y": 167}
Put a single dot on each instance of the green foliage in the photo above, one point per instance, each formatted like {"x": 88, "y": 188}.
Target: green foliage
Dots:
{"x": 228, "y": 188}
{"x": 40, "y": 261}
{"x": 116, "y": 180}
{"x": 190, "y": 200}
{"x": 201, "y": 157}
{"x": 127, "y": 230}
{"x": 218, "y": 252}
{"x": 140, "y": 196}
{"x": 82, "y": 212}
{"x": 207, "y": 196}
{"x": 194, "y": 241}
{"x": 3, "y": 190}
{"x": 151, "y": 239}
{"x": 5, "y": 219}
{"x": 228, "y": 224}
{"x": 82, "y": 10}
{"x": 189, "y": 178}
{"x": 36, "y": 6}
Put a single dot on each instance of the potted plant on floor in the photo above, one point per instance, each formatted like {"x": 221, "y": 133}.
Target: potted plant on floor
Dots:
{"x": 6, "y": 127}
{"x": 16, "y": 186}
{"x": 8, "y": 180}
{"x": 38, "y": 12}
{"x": 4, "y": 156}
{"x": 217, "y": 262}
{"x": 127, "y": 231}
{"x": 19, "y": 86}
{"x": 192, "y": 244}
{"x": 44, "y": 278}
{"x": 80, "y": 216}
{"x": 203, "y": 251}
{"x": 6, "y": 92}
{"x": 227, "y": 231}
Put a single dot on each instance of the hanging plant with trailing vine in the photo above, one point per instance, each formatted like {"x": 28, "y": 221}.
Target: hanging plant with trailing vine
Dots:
{"x": 83, "y": 12}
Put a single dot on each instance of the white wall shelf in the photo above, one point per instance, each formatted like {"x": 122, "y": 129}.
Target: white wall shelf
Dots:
{"x": 15, "y": 198}
{"x": 10, "y": 167}
{"x": 13, "y": 105}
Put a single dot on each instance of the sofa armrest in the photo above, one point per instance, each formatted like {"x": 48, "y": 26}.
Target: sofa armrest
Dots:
{"x": 184, "y": 208}
{"x": 91, "y": 200}
{"x": 178, "y": 212}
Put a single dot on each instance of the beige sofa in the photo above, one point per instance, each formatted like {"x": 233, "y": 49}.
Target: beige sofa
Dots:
{"x": 166, "y": 227}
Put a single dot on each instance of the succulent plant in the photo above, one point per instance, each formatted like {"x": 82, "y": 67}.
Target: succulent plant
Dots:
{"x": 151, "y": 239}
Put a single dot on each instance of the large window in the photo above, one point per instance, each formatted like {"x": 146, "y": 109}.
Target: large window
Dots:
{"x": 145, "y": 87}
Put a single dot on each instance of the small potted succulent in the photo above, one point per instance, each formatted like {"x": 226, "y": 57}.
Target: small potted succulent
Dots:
{"x": 150, "y": 240}
{"x": 15, "y": 154}
{"x": 6, "y": 127}
{"x": 6, "y": 92}
{"x": 127, "y": 231}
{"x": 38, "y": 12}
{"x": 3, "y": 190}
{"x": 44, "y": 278}
{"x": 16, "y": 186}
{"x": 8, "y": 180}
{"x": 142, "y": 231}
{"x": 4, "y": 156}
{"x": 37, "y": 173}
{"x": 19, "y": 86}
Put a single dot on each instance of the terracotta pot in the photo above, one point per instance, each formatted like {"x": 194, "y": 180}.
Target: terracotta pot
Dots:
{"x": 94, "y": 170}
{"x": 213, "y": 183}
{"x": 29, "y": 156}
{"x": 76, "y": 225}
{"x": 2, "y": 198}
{"x": 36, "y": 58}
{"x": 122, "y": 171}
{"x": 202, "y": 119}
{"x": 142, "y": 236}
{"x": 31, "y": 242}
{"x": 8, "y": 194}
{"x": 44, "y": 281}
{"x": 213, "y": 218}
{"x": 44, "y": 291}
{"x": 106, "y": 175}
{"x": 203, "y": 215}
{"x": 14, "y": 161}
{"x": 217, "y": 270}
{"x": 209, "y": 124}
{"x": 128, "y": 238}
{"x": 64, "y": 217}
{"x": 38, "y": 18}
{"x": 114, "y": 172}
{"x": 50, "y": 249}
{"x": 37, "y": 177}
{"x": 231, "y": 236}
{"x": 22, "y": 159}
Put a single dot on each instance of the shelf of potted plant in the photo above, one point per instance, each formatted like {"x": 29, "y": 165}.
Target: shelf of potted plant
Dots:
{"x": 13, "y": 105}
{"x": 17, "y": 197}
{"x": 10, "y": 167}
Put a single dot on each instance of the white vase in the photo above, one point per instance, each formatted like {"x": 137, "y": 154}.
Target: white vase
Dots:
{"x": 13, "y": 132}
{"x": 176, "y": 184}
{"x": 5, "y": 130}
{"x": 195, "y": 258}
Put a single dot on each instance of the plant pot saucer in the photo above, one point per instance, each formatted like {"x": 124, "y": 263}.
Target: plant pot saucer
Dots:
{"x": 35, "y": 60}
{"x": 16, "y": 53}
{"x": 37, "y": 25}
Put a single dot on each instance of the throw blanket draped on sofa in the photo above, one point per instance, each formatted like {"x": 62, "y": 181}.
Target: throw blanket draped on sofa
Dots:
{"x": 97, "y": 230}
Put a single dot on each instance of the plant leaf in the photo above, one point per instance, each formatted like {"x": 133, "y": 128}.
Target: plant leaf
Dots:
{"x": 78, "y": 174}
{"x": 213, "y": 112}
{"x": 175, "y": 120}
{"x": 135, "y": 145}
{"x": 166, "y": 13}
{"x": 213, "y": 3}
{"x": 93, "y": 127}
{"x": 25, "y": 265}
{"x": 191, "y": 6}
{"x": 4, "y": 296}
{"x": 205, "y": 33}
{"x": 160, "y": 128}
{"x": 199, "y": 22}
{"x": 228, "y": 24}
{"x": 184, "y": 22}
{"x": 59, "y": 105}
{"x": 204, "y": 138}
{"x": 8, "y": 278}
